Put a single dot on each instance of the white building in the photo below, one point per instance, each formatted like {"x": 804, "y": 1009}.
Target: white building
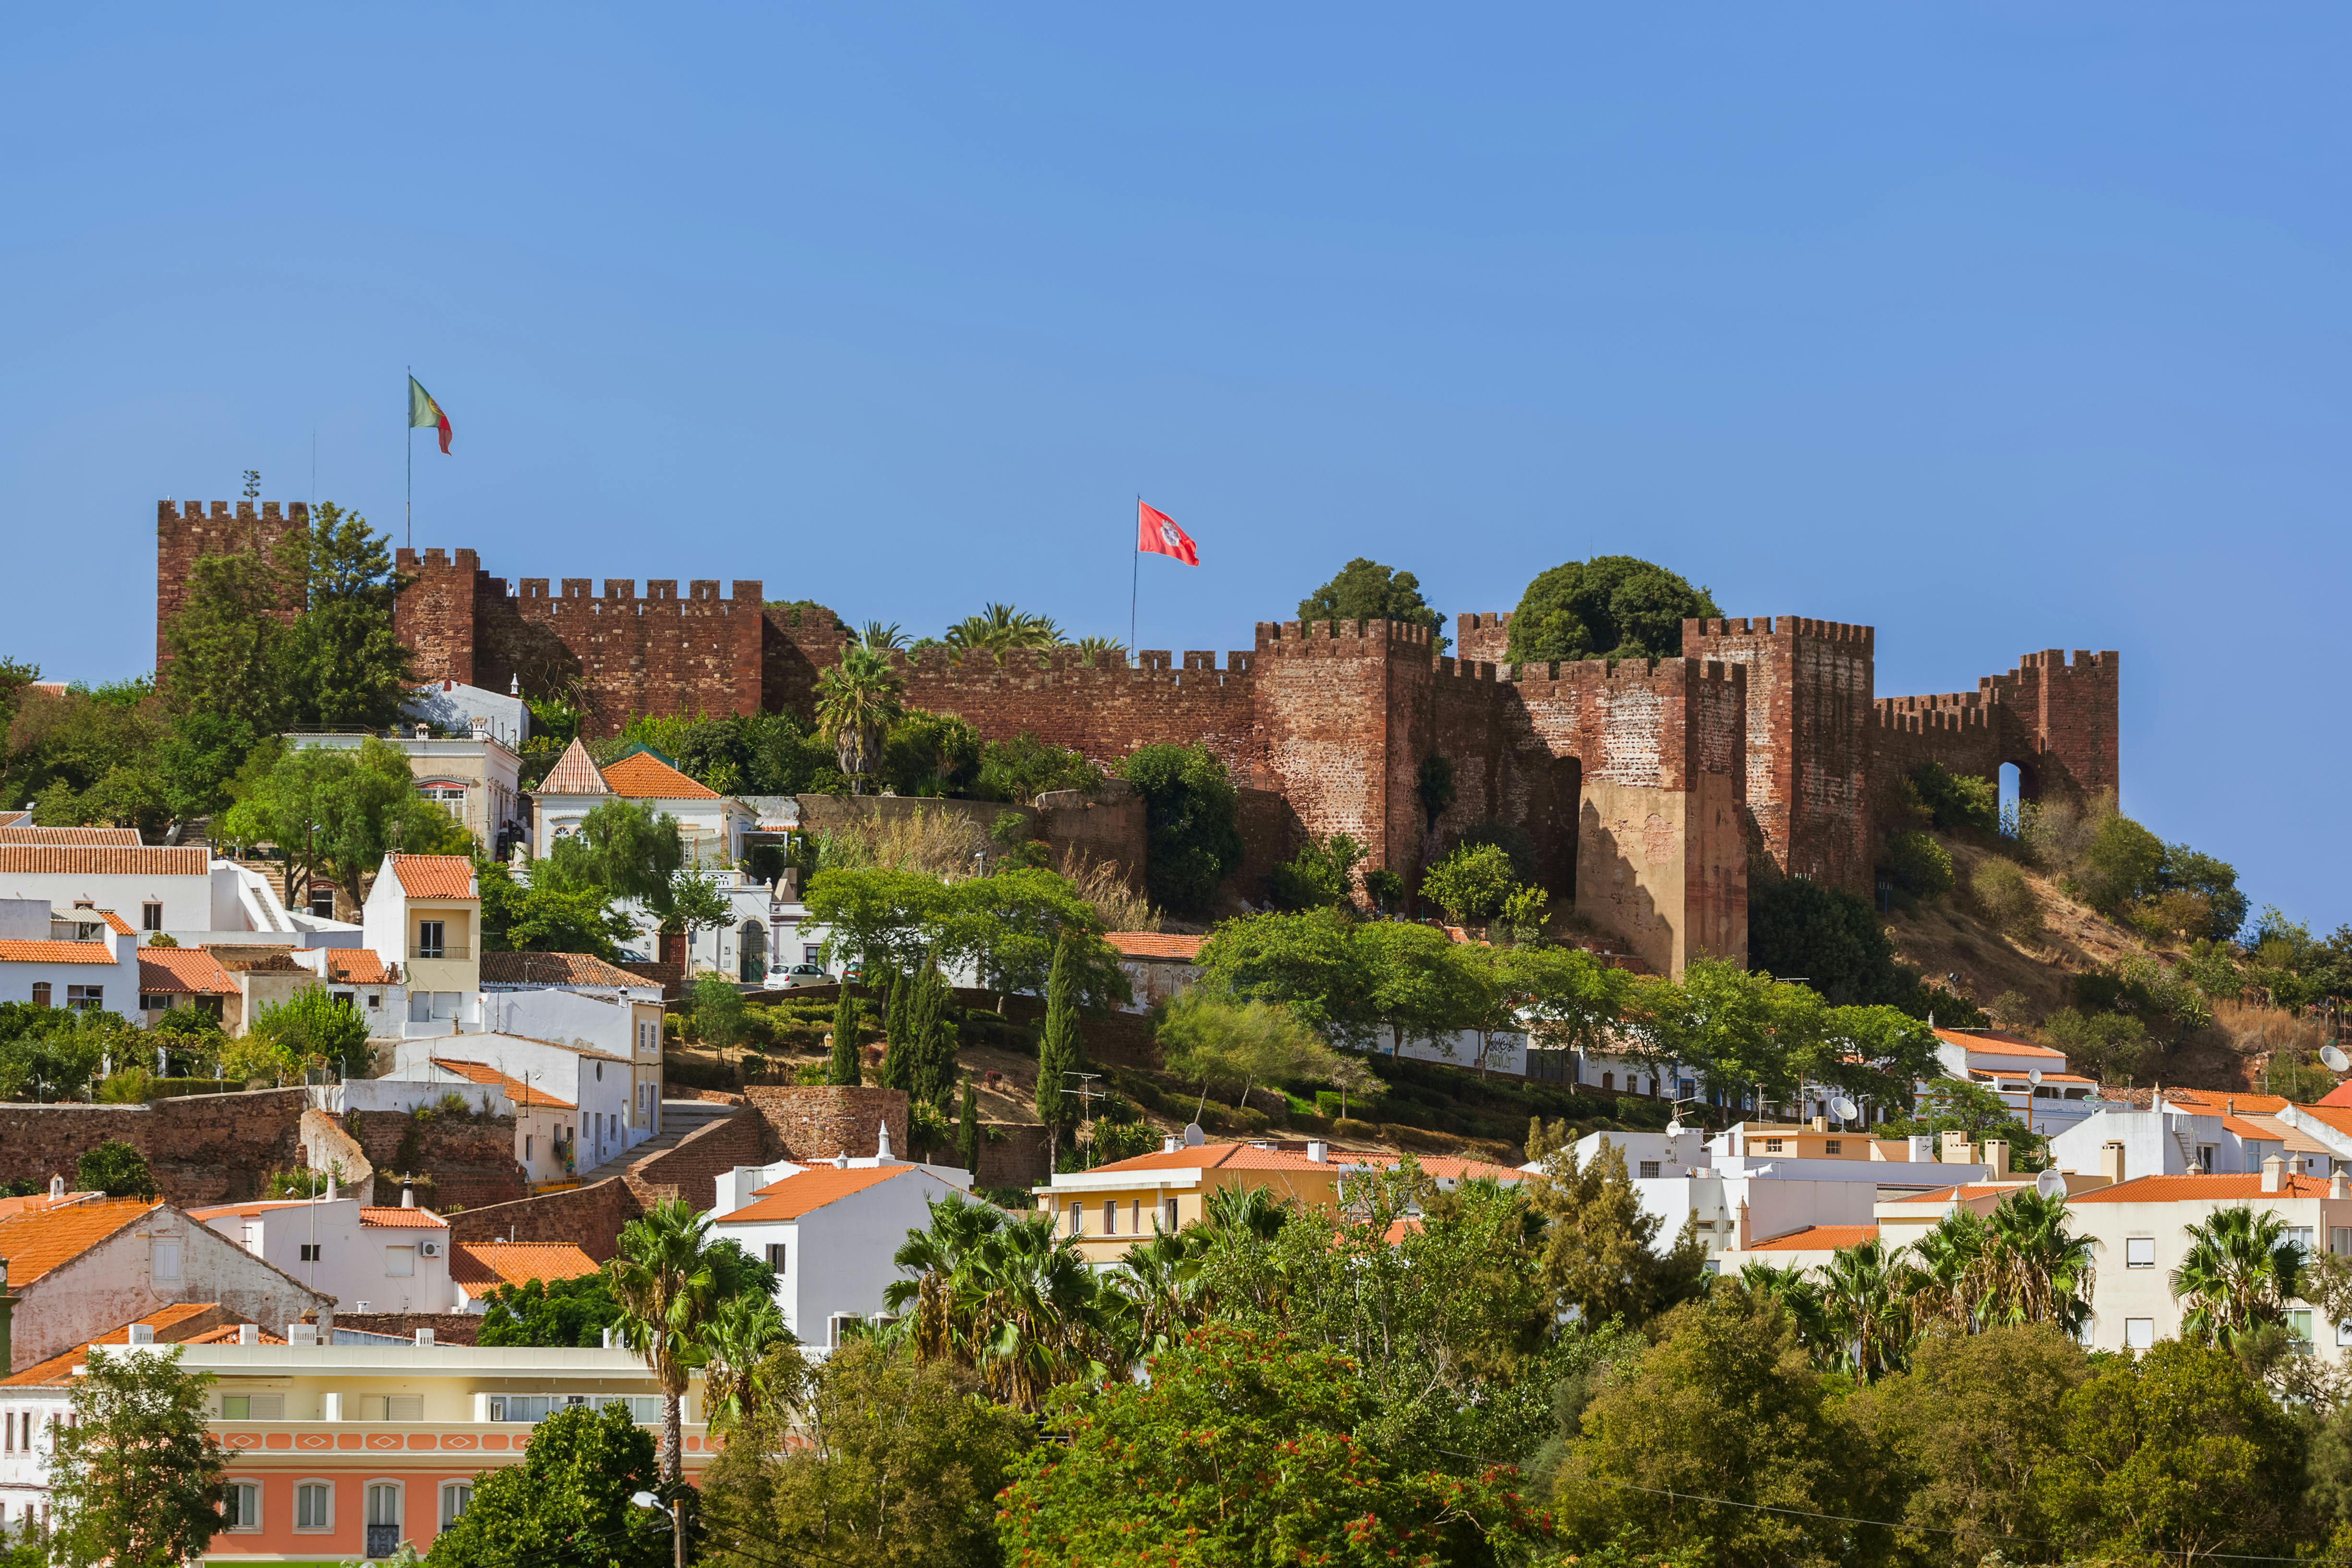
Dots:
{"x": 2185, "y": 1131}
{"x": 2031, "y": 1080}
{"x": 573, "y": 1105}
{"x": 182, "y": 891}
{"x": 362, "y": 1259}
{"x": 463, "y": 709}
{"x": 86, "y": 959}
{"x": 425, "y": 913}
{"x": 581, "y": 1000}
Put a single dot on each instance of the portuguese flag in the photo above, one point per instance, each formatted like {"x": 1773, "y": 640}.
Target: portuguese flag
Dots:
{"x": 424, "y": 414}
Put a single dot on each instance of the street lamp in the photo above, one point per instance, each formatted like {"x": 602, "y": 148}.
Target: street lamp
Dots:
{"x": 677, "y": 1524}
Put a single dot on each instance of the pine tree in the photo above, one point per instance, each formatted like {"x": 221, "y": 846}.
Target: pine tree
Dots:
{"x": 843, "y": 1068}
{"x": 1057, "y": 1052}
{"x": 967, "y": 1129}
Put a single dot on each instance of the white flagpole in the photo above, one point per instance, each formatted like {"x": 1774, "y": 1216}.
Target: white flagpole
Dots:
{"x": 1135, "y": 581}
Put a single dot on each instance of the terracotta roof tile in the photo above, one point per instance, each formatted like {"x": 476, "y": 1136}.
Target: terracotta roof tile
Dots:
{"x": 2246, "y": 1129}
{"x": 36, "y": 1243}
{"x": 357, "y": 965}
{"x": 1242, "y": 1157}
{"x": 491, "y": 1077}
{"x": 15, "y": 818}
{"x": 2226, "y": 1188}
{"x": 574, "y": 774}
{"x": 102, "y": 860}
{"x": 211, "y": 1212}
{"x": 1155, "y": 944}
{"x": 488, "y": 1263}
{"x": 56, "y": 953}
{"x": 58, "y": 1370}
{"x": 2219, "y": 1103}
{"x": 2340, "y": 1095}
{"x": 34, "y": 1202}
{"x": 812, "y": 1189}
{"x": 82, "y": 835}
{"x": 2338, "y": 1115}
{"x": 1993, "y": 1043}
{"x": 553, "y": 969}
{"x": 185, "y": 971}
{"x": 397, "y": 1218}
{"x": 435, "y": 876}
{"x": 1817, "y": 1239}
{"x": 226, "y": 1335}
{"x": 641, "y": 775}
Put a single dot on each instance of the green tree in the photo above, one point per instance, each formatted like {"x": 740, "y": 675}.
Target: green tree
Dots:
{"x": 1367, "y": 591}
{"x": 338, "y": 812}
{"x": 929, "y": 754}
{"x": 2122, "y": 863}
{"x": 1866, "y": 1303}
{"x": 1012, "y": 926}
{"x": 1833, "y": 938}
{"x": 314, "y": 1024}
{"x": 1472, "y": 884}
{"x": 1026, "y": 767}
{"x": 569, "y": 1500}
{"x": 1243, "y": 1449}
{"x": 750, "y": 1361}
{"x": 999, "y": 629}
{"x": 2175, "y": 1453}
{"x": 1190, "y": 808}
{"x": 1956, "y": 802}
{"x": 115, "y": 1168}
{"x": 890, "y": 1463}
{"x": 1320, "y": 876}
{"x": 968, "y": 1128}
{"x": 1309, "y": 962}
{"x": 573, "y": 1312}
{"x": 134, "y": 1477}
{"x": 1059, "y": 1050}
{"x": 1611, "y": 606}
{"x": 343, "y": 666}
{"x": 225, "y": 647}
{"x": 857, "y": 702}
{"x": 669, "y": 1279}
{"x": 842, "y": 1068}
{"x": 881, "y": 917}
{"x": 2241, "y": 1271}
{"x": 539, "y": 915}
{"x": 1415, "y": 987}
{"x": 1599, "y": 1258}
{"x": 718, "y": 1012}
{"x": 1210, "y": 1039}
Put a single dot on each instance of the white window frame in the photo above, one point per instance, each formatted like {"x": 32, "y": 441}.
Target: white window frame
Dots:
{"x": 368, "y": 1492}
{"x": 237, "y": 1484}
{"x": 449, "y": 1514}
{"x": 395, "y": 1255}
{"x": 2140, "y": 1252}
{"x": 2146, "y": 1336}
{"x": 167, "y": 1255}
{"x": 301, "y": 1485}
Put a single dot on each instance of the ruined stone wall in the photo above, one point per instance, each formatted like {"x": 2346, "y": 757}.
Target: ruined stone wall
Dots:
{"x": 188, "y": 532}
{"x": 811, "y": 1122}
{"x": 692, "y": 1167}
{"x": 798, "y": 642}
{"x": 591, "y": 1216}
{"x": 203, "y": 1149}
{"x": 469, "y": 1160}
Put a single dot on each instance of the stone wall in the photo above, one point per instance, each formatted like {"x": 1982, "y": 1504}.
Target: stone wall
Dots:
{"x": 203, "y": 1149}
{"x": 469, "y": 1159}
{"x": 185, "y": 533}
{"x": 811, "y": 1122}
{"x": 591, "y": 1216}
{"x": 1012, "y": 1155}
{"x": 691, "y": 1169}
{"x": 448, "y": 1328}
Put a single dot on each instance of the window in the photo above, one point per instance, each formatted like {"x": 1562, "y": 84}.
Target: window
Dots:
{"x": 40, "y": 992}
{"x": 383, "y": 1518}
{"x": 2299, "y": 1237}
{"x": 2339, "y": 1240}
{"x": 1110, "y": 1218}
{"x": 1609, "y": 1081}
{"x": 456, "y": 1497}
{"x": 151, "y": 918}
{"x": 776, "y": 1256}
{"x": 1773, "y": 1145}
{"x": 399, "y": 1262}
{"x": 429, "y": 943}
{"x": 1169, "y": 1217}
{"x": 2140, "y": 1252}
{"x": 2139, "y": 1333}
{"x": 253, "y": 1406}
{"x": 167, "y": 1259}
{"x": 314, "y": 1506}
{"x": 2299, "y": 1324}
{"x": 1649, "y": 1168}
{"x": 1076, "y": 1219}
{"x": 526, "y": 1147}
{"x": 844, "y": 1324}
{"x": 323, "y": 899}
{"x": 154, "y": 1001}
{"x": 1833, "y": 1146}
{"x": 88, "y": 998}
{"x": 310, "y": 1251}
{"x": 241, "y": 1508}
{"x": 522, "y": 1407}
{"x": 375, "y": 1000}
{"x": 395, "y": 1408}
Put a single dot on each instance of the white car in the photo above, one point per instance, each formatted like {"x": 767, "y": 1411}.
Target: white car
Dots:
{"x": 799, "y": 975}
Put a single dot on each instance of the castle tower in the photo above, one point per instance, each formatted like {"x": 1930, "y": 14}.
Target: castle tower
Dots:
{"x": 185, "y": 533}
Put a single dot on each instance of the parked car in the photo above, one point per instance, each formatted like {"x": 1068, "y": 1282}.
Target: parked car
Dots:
{"x": 800, "y": 975}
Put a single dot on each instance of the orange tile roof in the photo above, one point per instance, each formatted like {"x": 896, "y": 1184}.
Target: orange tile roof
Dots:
{"x": 58, "y": 1370}
{"x": 117, "y": 925}
{"x": 812, "y": 1189}
{"x": 1249, "y": 1157}
{"x": 397, "y": 1218}
{"x": 226, "y": 1335}
{"x": 12, "y": 818}
{"x": 1154, "y": 944}
{"x": 2340, "y": 1095}
{"x": 36, "y": 1243}
{"x": 56, "y": 953}
{"x": 189, "y": 971}
{"x": 2245, "y": 1128}
{"x": 102, "y": 860}
{"x": 34, "y": 1202}
{"x": 491, "y": 1077}
{"x": 2229, "y": 1103}
{"x": 1993, "y": 1043}
{"x": 435, "y": 876}
{"x": 2337, "y": 1116}
{"x": 554, "y": 969}
{"x": 15, "y": 834}
{"x": 487, "y": 1263}
{"x": 358, "y": 965}
{"x": 574, "y": 774}
{"x": 1817, "y": 1239}
{"x": 244, "y": 1211}
{"x": 641, "y": 775}
{"x": 2229, "y": 1188}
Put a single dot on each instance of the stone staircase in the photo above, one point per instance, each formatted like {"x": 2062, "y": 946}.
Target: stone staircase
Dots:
{"x": 678, "y": 1119}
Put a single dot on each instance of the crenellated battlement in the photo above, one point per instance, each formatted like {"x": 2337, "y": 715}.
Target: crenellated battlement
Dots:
{"x": 188, "y": 532}
{"x": 1782, "y": 627}
{"x": 1282, "y": 636}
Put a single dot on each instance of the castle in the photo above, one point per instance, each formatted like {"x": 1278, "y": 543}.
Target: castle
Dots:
{"x": 1648, "y": 789}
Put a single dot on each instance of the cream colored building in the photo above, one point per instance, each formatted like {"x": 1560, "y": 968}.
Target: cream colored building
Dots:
{"x": 424, "y": 912}
{"x": 477, "y": 780}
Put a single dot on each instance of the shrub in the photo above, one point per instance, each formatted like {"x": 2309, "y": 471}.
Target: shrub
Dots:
{"x": 1956, "y": 802}
{"x": 2120, "y": 864}
{"x": 2106, "y": 1046}
{"x": 1191, "y": 823}
{"x": 116, "y": 1169}
{"x": 1472, "y": 884}
{"x": 1320, "y": 876}
{"x": 1920, "y": 866}
{"x": 2001, "y": 891}
{"x": 1611, "y": 606}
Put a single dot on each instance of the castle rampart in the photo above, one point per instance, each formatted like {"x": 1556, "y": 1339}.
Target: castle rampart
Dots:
{"x": 185, "y": 533}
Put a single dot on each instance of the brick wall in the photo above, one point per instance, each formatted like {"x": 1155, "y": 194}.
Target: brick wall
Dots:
{"x": 591, "y": 1216}
{"x": 187, "y": 531}
{"x": 692, "y": 1167}
{"x": 469, "y": 1159}
{"x": 209, "y": 1148}
{"x": 817, "y": 1122}
{"x": 1012, "y": 1156}
{"x": 1103, "y": 711}
{"x": 1483, "y": 638}
{"x": 448, "y": 1328}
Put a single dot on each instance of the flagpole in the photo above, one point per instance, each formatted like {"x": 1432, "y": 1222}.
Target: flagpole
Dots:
{"x": 1135, "y": 580}
{"x": 408, "y": 440}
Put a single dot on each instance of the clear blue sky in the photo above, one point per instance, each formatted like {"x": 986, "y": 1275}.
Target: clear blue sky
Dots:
{"x": 1996, "y": 329}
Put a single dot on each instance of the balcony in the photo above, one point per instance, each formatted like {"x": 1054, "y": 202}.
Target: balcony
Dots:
{"x": 456, "y": 950}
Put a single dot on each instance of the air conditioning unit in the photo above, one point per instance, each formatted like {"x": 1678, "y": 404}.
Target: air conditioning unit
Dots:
{"x": 430, "y": 1248}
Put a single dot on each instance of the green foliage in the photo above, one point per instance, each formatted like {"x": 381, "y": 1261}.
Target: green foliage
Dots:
{"x": 115, "y": 1168}
{"x": 1385, "y": 889}
{"x": 1367, "y": 591}
{"x": 1957, "y": 802}
{"x": 857, "y": 700}
{"x": 929, "y": 754}
{"x": 718, "y": 1012}
{"x": 1600, "y": 1258}
{"x": 1059, "y": 1050}
{"x": 1832, "y": 939}
{"x": 2120, "y": 865}
{"x": 1190, "y": 823}
{"x": 313, "y": 1026}
{"x": 1026, "y": 767}
{"x": 1320, "y": 876}
{"x": 1955, "y": 1105}
{"x": 1919, "y": 866}
{"x": 843, "y": 1067}
{"x": 134, "y": 1475}
{"x": 2111, "y": 1047}
{"x": 573, "y": 1312}
{"x": 967, "y": 1145}
{"x": 338, "y": 812}
{"x": 568, "y": 1500}
{"x": 890, "y": 1464}
{"x": 1001, "y": 629}
{"x": 542, "y": 914}
{"x": 1472, "y": 884}
{"x": 2241, "y": 1271}
{"x": 1209, "y": 1040}
{"x": 1245, "y": 1449}
{"x": 1309, "y": 962}
{"x": 1611, "y": 606}
{"x": 343, "y": 666}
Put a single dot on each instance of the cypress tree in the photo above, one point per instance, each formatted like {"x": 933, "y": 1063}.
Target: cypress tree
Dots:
{"x": 843, "y": 1068}
{"x": 1057, "y": 1051}
{"x": 967, "y": 1129}
{"x": 922, "y": 1023}
{"x": 898, "y": 1054}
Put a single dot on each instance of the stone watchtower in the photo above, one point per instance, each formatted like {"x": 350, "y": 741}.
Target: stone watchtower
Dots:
{"x": 185, "y": 533}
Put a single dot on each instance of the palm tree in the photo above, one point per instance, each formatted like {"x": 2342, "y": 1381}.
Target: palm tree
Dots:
{"x": 1949, "y": 1281}
{"x": 735, "y": 1346}
{"x": 1159, "y": 1281}
{"x": 1795, "y": 1290}
{"x": 1040, "y": 1316}
{"x": 1001, "y": 629}
{"x": 929, "y": 1310}
{"x": 881, "y": 638}
{"x": 669, "y": 1283}
{"x": 856, "y": 703}
{"x": 1101, "y": 651}
{"x": 1865, "y": 1298}
{"x": 2240, "y": 1273}
{"x": 2039, "y": 1273}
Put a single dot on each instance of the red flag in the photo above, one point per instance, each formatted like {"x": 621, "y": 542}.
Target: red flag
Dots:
{"x": 1157, "y": 532}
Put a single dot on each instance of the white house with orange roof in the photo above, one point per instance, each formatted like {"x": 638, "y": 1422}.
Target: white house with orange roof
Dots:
{"x": 2032, "y": 1079}
{"x": 83, "y": 958}
{"x": 1899, "y": 1218}
{"x": 79, "y": 1264}
{"x": 425, "y": 913}
{"x": 2185, "y": 1131}
{"x": 363, "y": 1257}
{"x": 182, "y": 891}
{"x": 1160, "y": 966}
{"x": 573, "y": 1104}
{"x": 829, "y": 1231}
{"x": 478, "y": 1268}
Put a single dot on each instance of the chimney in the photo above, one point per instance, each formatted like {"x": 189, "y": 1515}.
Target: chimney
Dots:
{"x": 407, "y": 1197}
{"x": 1819, "y": 1124}
{"x": 248, "y": 1334}
{"x": 882, "y": 1155}
{"x": 1743, "y": 1225}
{"x": 331, "y": 1186}
{"x": 142, "y": 1333}
{"x": 2339, "y": 1185}
{"x": 1317, "y": 1151}
{"x": 1958, "y": 1151}
{"x": 423, "y": 731}
{"x": 301, "y": 1333}
{"x": 425, "y": 1338}
{"x": 2111, "y": 1160}
{"x": 2273, "y": 1169}
{"x": 1170, "y": 1144}
{"x": 1996, "y": 1157}
{"x": 57, "y": 1189}
{"x": 1922, "y": 1149}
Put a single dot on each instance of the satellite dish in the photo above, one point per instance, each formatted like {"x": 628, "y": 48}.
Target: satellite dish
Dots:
{"x": 2033, "y": 1076}
{"x": 1844, "y": 1109}
{"x": 2050, "y": 1184}
{"x": 2336, "y": 1060}
{"x": 1675, "y": 1128}
{"x": 1194, "y": 1136}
